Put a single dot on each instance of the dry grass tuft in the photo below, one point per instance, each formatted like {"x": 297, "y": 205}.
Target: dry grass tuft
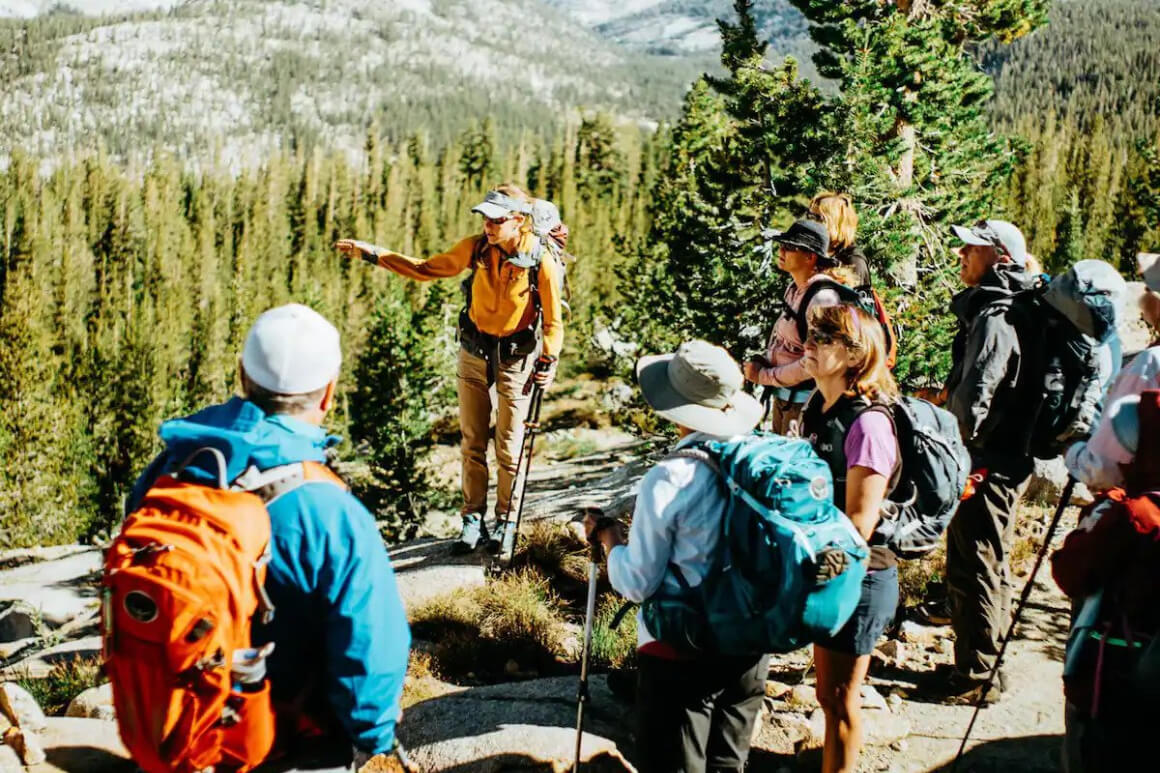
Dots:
{"x": 475, "y": 633}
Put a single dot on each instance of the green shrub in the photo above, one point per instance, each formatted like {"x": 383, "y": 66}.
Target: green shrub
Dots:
{"x": 66, "y": 680}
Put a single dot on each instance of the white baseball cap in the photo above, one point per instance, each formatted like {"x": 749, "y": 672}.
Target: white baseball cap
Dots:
{"x": 292, "y": 350}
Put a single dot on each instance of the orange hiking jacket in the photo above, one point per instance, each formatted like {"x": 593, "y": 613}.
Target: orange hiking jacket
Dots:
{"x": 501, "y": 303}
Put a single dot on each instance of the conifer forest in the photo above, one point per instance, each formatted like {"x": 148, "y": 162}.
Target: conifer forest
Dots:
{"x": 130, "y": 269}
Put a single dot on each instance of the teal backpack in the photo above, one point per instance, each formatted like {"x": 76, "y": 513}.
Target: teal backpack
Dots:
{"x": 761, "y": 593}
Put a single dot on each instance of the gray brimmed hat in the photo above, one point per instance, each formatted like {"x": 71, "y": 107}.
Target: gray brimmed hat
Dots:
{"x": 496, "y": 205}
{"x": 809, "y": 235}
{"x": 699, "y": 387}
{"x": 995, "y": 233}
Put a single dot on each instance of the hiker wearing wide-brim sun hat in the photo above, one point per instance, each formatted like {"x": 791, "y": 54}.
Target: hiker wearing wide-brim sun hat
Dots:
{"x": 699, "y": 387}
{"x": 687, "y": 703}
{"x": 511, "y": 332}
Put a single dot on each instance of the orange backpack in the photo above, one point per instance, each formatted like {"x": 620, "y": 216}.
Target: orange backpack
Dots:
{"x": 182, "y": 581}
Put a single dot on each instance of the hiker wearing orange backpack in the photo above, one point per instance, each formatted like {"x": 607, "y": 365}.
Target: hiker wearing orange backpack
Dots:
{"x": 251, "y": 612}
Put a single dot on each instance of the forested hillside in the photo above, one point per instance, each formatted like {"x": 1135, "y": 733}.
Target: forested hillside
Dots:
{"x": 172, "y": 174}
{"x": 241, "y": 78}
{"x": 1084, "y": 94}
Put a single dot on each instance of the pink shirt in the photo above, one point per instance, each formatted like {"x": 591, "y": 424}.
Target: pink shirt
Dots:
{"x": 785, "y": 348}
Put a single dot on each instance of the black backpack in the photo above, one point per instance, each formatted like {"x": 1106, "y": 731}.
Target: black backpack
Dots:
{"x": 926, "y": 488}
{"x": 863, "y": 297}
{"x": 1064, "y": 364}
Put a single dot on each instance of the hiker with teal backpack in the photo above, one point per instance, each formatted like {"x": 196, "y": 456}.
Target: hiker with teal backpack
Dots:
{"x": 511, "y": 331}
{"x": 876, "y": 444}
{"x": 735, "y": 551}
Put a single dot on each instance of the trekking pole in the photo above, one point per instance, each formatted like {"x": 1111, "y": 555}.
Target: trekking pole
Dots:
{"x": 595, "y": 555}
{"x": 531, "y": 424}
{"x": 1064, "y": 500}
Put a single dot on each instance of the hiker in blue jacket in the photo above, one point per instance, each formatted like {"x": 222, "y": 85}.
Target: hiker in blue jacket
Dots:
{"x": 340, "y": 633}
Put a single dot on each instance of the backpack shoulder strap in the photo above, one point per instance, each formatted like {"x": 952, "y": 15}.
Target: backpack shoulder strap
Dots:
{"x": 478, "y": 255}
{"x": 696, "y": 453}
{"x": 801, "y": 316}
{"x": 274, "y": 482}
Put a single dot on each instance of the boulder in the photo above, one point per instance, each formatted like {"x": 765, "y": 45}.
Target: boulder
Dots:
{"x": 804, "y": 697}
{"x": 11, "y": 649}
{"x": 425, "y": 569}
{"x": 775, "y": 689}
{"x": 72, "y": 745}
{"x": 1047, "y": 482}
{"x": 19, "y": 622}
{"x": 872, "y": 699}
{"x": 95, "y": 703}
{"x": 879, "y": 728}
{"x": 17, "y": 701}
{"x": 526, "y": 724}
{"x": 891, "y": 652}
{"x": 922, "y": 635}
{"x": 39, "y": 665}
{"x": 781, "y": 732}
{"x": 59, "y": 589}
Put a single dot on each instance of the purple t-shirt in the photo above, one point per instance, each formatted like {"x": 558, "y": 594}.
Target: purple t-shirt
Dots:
{"x": 870, "y": 443}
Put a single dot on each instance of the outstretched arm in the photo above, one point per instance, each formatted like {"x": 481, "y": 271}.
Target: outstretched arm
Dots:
{"x": 445, "y": 264}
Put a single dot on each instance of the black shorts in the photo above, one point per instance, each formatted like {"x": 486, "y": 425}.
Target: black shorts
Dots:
{"x": 874, "y": 612}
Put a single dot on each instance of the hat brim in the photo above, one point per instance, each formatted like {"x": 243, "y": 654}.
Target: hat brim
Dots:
{"x": 967, "y": 236}
{"x": 741, "y": 417}
{"x": 489, "y": 209}
{"x": 791, "y": 241}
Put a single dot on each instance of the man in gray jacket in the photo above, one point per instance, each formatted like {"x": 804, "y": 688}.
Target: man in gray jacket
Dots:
{"x": 988, "y": 378}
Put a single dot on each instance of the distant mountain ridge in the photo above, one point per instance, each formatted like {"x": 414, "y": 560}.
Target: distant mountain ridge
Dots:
{"x": 239, "y": 77}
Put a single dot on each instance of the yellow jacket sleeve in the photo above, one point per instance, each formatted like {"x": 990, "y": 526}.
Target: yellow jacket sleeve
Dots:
{"x": 445, "y": 264}
{"x": 551, "y": 300}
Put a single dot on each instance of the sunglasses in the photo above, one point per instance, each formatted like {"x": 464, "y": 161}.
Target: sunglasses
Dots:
{"x": 498, "y": 220}
{"x": 822, "y": 338}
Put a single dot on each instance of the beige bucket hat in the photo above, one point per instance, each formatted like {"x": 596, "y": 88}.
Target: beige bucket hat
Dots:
{"x": 699, "y": 387}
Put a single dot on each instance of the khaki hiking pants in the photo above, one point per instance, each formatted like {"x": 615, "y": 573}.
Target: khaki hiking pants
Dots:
{"x": 475, "y": 421}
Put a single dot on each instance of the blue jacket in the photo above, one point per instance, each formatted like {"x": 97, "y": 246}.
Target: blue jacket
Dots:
{"x": 339, "y": 628}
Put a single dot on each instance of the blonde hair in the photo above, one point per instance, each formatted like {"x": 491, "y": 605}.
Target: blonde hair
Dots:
{"x": 862, "y": 334}
{"x": 836, "y": 210}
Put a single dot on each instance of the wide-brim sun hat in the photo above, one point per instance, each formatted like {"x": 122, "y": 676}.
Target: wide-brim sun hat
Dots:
{"x": 700, "y": 387}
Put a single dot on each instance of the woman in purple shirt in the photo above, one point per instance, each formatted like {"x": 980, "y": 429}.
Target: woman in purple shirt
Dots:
{"x": 849, "y": 423}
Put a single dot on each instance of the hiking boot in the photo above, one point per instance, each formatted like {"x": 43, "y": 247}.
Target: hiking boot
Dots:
{"x": 932, "y": 613}
{"x": 507, "y": 541}
{"x": 471, "y": 535}
{"x": 831, "y": 562}
{"x": 498, "y": 537}
{"x": 948, "y": 686}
